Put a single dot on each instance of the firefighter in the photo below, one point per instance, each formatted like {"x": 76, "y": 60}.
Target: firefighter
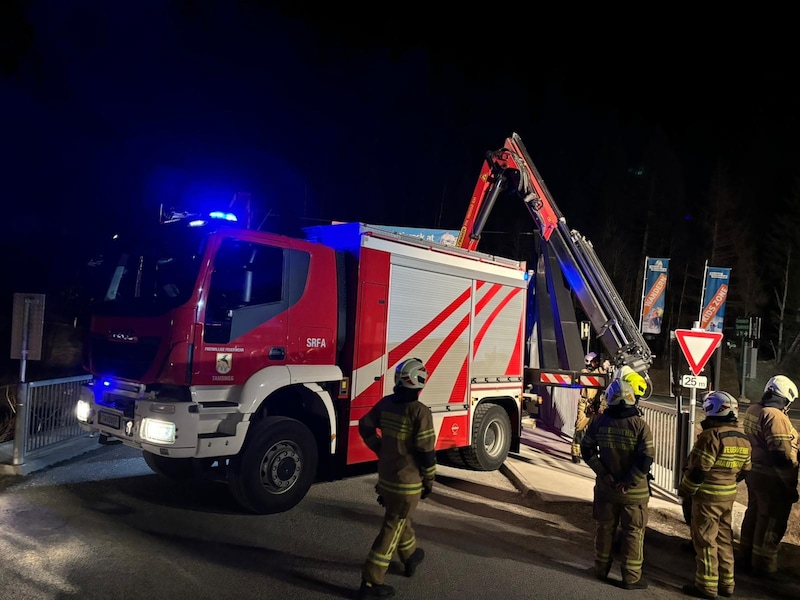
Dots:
{"x": 618, "y": 446}
{"x": 719, "y": 459}
{"x": 772, "y": 482}
{"x": 406, "y": 472}
{"x": 586, "y": 406}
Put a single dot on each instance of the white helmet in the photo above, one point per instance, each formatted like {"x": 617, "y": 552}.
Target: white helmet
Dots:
{"x": 592, "y": 356}
{"x": 721, "y": 405}
{"x": 620, "y": 392}
{"x": 411, "y": 374}
{"x": 782, "y": 386}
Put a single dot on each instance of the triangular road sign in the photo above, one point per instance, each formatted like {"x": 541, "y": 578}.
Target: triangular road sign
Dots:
{"x": 698, "y": 346}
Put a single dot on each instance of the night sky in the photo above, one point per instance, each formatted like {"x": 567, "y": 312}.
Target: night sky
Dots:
{"x": 112, "y": 109}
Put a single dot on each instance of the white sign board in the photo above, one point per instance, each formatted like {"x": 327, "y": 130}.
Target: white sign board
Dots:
{"x": 694, "y": 381}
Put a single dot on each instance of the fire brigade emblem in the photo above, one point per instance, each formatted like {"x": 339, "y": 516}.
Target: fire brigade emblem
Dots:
{"x": 224, "y": 362}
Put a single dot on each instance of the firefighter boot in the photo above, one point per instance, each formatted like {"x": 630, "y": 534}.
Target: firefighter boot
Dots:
{"x": 413, "y": 561}
{"x": 374, "y": 590}
{"x": 691, "y": 589}
{"x": 635, "y": 585}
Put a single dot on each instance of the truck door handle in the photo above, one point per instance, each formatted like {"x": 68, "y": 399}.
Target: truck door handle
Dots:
{"x": 277, "y": 353}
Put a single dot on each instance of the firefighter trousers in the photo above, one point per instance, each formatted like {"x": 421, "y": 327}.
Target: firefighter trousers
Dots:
{"x": 581, "y": 423}
{"x": 396, "y": 535}
{"x": 632, "y": 521}
{"x": 712, "y": 536}
{"x": 765, "y": 521}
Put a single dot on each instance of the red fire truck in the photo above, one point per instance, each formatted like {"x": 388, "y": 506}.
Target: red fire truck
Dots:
{"x": 248, "y": 357}
{"x": 251, "y": 356}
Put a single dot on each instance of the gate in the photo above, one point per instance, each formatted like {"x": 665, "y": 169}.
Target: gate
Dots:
{"x": 46, "y": 415}
{"x": 669, "y": 428}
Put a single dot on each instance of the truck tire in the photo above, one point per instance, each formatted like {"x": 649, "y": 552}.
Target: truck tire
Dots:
{"x": 179, "y": 469}
{"x": 491, "y": 438}
{"x": 276, "y": 467}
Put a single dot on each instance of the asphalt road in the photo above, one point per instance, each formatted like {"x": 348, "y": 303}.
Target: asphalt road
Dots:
{"x": 102, "y": 526}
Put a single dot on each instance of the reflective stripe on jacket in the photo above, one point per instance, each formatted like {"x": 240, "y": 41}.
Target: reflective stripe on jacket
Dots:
{"x": 620, "y": 446}
{"x": 405, "y": 446}
{"x": 774, "y": 442}
{"x": 720, "y": 453}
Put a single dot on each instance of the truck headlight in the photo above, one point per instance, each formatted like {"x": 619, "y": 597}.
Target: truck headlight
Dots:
{"x": 83, "y": 411}
{"x": 157, "y": 432}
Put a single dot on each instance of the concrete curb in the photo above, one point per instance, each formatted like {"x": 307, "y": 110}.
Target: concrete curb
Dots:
{"x": 665, "y": 508}
{"x": 518, "y": 480}
{"x": 47, "y": 457}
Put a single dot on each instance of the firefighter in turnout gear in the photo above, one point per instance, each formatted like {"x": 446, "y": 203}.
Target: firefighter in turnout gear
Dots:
{"x": 618, "y": 447}
{"x": 406, "y": 472}
{"x": 772, "y": 482}
{"x": 588, "y": 405}
{"x": 719, "y": 460}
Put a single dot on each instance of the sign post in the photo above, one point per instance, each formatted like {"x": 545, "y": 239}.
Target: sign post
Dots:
{"x": 698, "y": 345}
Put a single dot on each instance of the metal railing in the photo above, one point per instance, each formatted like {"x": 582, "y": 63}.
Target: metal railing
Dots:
{"x": 46, "y": 414}
{"x": 669, "y": 429}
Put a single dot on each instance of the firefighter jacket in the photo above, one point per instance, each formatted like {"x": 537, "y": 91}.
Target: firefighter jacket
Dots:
{"x": 721, "y": 452}
{"x": 619, "y": 444}
{"x": 589, "y": 394}
{"x": 774, "y": 441}
{"x": 405, "y": 446}
{"x": 592, "y": 402}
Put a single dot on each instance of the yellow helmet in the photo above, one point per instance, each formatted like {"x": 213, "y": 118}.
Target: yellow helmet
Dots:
{"x": 638, "y": 383}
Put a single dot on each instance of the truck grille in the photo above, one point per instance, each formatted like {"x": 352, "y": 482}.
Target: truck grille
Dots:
{"x": 124, "y": 360}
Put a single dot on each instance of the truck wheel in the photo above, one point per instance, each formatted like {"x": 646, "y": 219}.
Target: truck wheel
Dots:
{"x": 452, "y": 457}
{"x": 171, "y": 468}
{"x": 491, "y": 438}
{"x": 276, "y": 467}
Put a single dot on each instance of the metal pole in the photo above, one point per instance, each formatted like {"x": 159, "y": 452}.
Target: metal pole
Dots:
{"x": 742, "y": 395}
{"x": 26, "y": 325}
{"x": 693, "y": 397}
{"x": 703, "y": 294}
{"x": 644, "y": 285}
{"x": 22, "y": 390}
{"x": 690, "y": 432}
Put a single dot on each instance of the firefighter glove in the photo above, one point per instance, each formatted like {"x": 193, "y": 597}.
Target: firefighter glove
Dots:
{"x": 623, "y": 488}
{"x": 426, "y": 491}
{"x": 608, "y": 480}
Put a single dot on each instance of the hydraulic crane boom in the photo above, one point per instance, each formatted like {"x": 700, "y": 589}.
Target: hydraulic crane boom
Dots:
{"x": 511, "y": 169}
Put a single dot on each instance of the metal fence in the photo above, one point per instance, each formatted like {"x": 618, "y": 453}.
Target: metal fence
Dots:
{"x": 46, "y": 414}
{"x": 669, "y": 428}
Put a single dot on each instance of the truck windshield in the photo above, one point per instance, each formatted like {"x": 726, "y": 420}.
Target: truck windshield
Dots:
{"x": 149, "y": 273}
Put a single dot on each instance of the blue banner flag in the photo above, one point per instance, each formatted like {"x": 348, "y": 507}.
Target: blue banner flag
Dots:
{"x": 715, "y": 293}
{"x": 653, "y": 300}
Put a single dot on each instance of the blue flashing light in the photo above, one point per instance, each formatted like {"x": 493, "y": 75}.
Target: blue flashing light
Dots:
{"x": 106, "y": 383}
{"x": 197, "y": 223}
{"x": 223, "y": 215}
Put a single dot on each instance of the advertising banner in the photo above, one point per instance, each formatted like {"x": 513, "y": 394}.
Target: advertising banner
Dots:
{"x": 654, "y": 298}
{"x": 715, "y": 293}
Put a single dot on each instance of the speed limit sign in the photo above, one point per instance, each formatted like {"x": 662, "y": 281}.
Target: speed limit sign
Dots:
{"x": 694, "y": 381}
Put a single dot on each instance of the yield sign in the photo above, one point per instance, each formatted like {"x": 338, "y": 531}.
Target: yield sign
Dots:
{"x": 698, "y": 346}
